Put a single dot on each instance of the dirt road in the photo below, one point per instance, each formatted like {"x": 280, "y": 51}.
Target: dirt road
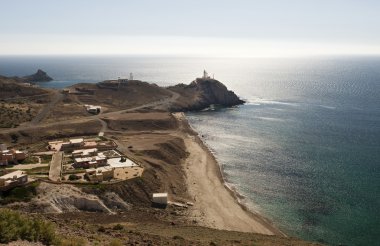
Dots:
{"x": 56, "y": 166}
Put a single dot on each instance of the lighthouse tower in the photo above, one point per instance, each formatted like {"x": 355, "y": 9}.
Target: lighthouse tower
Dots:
{"x": 205, "y": 75}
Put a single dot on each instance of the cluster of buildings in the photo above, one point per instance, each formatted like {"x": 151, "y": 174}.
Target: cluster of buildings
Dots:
{"x": 93, "y": 160}
{"x": 11, "y": 156}
{"x": 98, "y": 158}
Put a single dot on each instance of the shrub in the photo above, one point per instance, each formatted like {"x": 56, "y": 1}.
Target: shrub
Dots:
{"x": 19, "y": 194}
{"x": 101, "y": 229}
{"x": 115, "y": 242}
{"x": 118, "y": 227}
{"x": 73, "y": 177}
{"x": 15, "y": 226}
{"x": 73, "y": 241}
{"x": 176, "y": 237}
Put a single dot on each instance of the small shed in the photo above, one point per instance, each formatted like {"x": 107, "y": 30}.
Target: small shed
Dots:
{"x": 160, "y": 198}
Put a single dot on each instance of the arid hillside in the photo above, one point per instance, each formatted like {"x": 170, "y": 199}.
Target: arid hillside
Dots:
{"x": 114, "y": 96}
{"x": 15, "y": 88}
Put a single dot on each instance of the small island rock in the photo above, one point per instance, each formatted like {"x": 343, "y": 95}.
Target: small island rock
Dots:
{"x": 39, "y": 76}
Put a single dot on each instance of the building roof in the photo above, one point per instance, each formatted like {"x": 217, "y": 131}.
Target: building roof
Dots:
{"x": 55, "y": 142}
{"x": 160, "y": 195}
{"x": 76, "y": 140}
{"x": 17, "y": 173}
{"x": 116, "y": 162}
{"x": 85, "y": 151}
{"x": 94, "y": 107}
{"x": 104, "y": 169}
{"x": 98, "y": 170}
{"x": 89, "y": 159}
{"x": 90, "y": 143}
{"x": 90, "y": 170}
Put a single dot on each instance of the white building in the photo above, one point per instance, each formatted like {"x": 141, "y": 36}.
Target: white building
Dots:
{"x": 93, "y": 109}
{"x": 160, "y": 198}
{"x": 85, "y": 152}
{"x": 121, "y": 162}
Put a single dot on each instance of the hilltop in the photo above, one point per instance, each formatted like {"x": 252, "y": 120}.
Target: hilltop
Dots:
{"x": 203, "y": 92}
{"x": 12, "y": 88}
{"x": 19, "y": 101}
{"x": 198, "y": 95}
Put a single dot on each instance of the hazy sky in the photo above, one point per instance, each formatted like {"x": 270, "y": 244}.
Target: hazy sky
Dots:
{"x": 190, "y": 27}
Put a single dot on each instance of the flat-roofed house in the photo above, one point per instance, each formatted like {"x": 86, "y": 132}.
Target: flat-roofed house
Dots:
{"x": 90, "y": 162}
{"x": 85, "y": 152}
{"x": 76, "y": 142}
{"x": 13, "y": 179}
{"x": 100, "y": 174}
{"x": 72, "y": 144}
{"x": 93, "y": 109}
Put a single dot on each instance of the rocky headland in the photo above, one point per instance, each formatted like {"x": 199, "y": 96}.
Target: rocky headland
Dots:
{"x": 202, "y": 93}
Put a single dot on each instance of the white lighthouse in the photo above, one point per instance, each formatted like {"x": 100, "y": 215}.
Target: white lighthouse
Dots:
{"x": 205, "y": 75}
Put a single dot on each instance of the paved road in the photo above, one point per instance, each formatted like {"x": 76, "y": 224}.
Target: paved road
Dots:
{"x": 56, "y": 166}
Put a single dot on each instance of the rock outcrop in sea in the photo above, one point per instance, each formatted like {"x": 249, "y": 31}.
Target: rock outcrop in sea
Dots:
{"x": 39, "y": 76}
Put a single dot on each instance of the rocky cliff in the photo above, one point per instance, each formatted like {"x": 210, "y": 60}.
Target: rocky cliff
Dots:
{"x": 39, "y": 76}
{"x": 202, "y": 93}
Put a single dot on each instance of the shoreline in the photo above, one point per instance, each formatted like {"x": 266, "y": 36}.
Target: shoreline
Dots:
{"x": 216, "y": 205}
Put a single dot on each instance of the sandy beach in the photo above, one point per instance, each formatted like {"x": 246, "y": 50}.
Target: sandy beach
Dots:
{"x": 215, "y": 205}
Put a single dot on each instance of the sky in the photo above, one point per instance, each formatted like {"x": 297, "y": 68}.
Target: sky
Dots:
{"x": 230, "y": 28}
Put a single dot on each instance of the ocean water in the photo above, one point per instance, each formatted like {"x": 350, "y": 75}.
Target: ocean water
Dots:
{"x": 304, "y": 150}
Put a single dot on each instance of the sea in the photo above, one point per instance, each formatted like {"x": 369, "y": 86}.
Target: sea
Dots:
{"x": 304, "y": 150}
